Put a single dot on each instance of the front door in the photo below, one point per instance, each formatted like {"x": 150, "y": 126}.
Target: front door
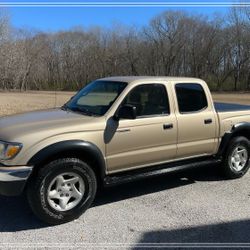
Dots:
{"x": 148, "y": 139}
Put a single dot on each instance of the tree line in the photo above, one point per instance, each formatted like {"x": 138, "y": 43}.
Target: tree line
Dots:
{"x": 174, "y": 43}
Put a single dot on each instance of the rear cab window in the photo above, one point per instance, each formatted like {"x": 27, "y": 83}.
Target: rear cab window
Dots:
{"x": 191, "y": 97}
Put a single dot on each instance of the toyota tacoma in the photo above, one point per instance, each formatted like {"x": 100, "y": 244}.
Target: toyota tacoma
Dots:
{"x": 117, "y": 130}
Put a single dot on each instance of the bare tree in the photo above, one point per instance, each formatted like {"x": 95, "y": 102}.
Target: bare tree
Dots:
{"x": 173, "y": 43}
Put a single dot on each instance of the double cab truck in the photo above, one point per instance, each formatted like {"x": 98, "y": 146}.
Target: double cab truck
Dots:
{"x": 116, "y": 130}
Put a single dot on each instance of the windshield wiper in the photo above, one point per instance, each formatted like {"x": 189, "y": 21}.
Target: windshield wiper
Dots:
{"x": 84, "y": 111}
{"x": 64, "y": 107}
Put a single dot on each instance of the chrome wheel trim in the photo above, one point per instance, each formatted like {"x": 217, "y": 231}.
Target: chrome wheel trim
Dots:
{"x": 65, "y": 191}
{"x": 238, "y": 158}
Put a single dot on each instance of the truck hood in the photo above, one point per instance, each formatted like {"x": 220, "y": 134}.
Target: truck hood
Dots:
{"x": 53, "y": 121}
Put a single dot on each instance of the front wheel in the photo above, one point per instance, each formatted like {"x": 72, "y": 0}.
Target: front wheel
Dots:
{"x": 236, "y": 161}
{"x": 62, "y": 190}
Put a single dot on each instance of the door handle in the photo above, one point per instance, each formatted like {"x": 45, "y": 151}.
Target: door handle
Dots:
{"x": 123, "y": 130}
{"x": 208, "y": 121}
{"x": 168, "y": 126}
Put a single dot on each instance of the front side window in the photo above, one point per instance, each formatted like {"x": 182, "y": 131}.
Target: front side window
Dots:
{"x": 96, "y": 98}
{"x": 149, "y": 100}
{"x": 191, "y": 97}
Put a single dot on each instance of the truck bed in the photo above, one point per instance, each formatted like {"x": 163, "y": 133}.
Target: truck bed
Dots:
{"x": 227, "y": 107}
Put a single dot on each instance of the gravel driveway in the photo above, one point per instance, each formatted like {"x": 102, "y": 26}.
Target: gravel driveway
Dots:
{"x": 196, "y": 206}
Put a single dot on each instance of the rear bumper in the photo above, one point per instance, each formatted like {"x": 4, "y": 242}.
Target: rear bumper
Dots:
{"x": 13, "y": 179}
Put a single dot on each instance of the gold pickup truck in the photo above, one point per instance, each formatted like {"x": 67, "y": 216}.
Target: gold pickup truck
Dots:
{"x": 117, "y": 130}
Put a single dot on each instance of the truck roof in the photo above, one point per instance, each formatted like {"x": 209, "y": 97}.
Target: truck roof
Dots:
{"x": 130, "y": 79}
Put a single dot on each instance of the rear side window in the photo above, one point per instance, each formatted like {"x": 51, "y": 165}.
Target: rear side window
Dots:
{"x": 191, "y": 97}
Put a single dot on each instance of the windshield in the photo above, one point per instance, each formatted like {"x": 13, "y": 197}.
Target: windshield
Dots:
{"x": 96, "y": 98}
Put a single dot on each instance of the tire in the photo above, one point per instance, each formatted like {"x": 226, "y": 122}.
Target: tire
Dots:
{"x": 62, "y": 190}
{"x": 236, "y": 161}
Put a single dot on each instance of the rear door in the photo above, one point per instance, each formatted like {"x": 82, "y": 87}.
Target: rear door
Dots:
{"x": 196, "y": 120}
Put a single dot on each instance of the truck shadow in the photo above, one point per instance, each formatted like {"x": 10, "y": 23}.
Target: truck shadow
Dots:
{"x": 15, "y": 214}
{"x": 157, "y": 184}
{"x": 235, "y": 232}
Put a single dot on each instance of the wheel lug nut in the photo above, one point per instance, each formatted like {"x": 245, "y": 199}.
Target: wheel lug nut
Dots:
{"x": 67, "y": 195}
{"x": 59, "y": 190}
{"x": 70, "y": 189}
{"x": 61, "y": 195}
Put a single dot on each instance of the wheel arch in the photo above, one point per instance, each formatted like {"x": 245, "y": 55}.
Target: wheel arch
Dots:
{"x": 85, "y": 151}
{"x": 239, "y": 129}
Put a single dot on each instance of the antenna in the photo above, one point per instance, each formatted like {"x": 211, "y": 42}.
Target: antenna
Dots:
{"x": 55, "y": 89}
{"x": 55, "y": 98}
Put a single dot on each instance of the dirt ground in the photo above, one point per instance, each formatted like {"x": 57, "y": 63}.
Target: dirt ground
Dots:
{"x": 16, "y": 102}
{"x": 241, "y": 98}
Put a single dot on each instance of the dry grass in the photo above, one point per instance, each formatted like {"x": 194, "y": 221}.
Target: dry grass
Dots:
{"x": 241, "y": 98}
{"x": 14, "y": 102}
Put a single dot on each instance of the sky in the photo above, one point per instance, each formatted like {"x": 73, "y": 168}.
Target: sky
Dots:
{"x": 61, "y": 18}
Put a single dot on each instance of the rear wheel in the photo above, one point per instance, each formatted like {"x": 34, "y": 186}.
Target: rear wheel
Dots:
{"x": 62, "y": 190}
{"x": 236, "y": 161}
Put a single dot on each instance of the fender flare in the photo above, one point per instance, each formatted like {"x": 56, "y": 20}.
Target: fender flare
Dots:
{"x": 70, "y": 145}
{"x": 236, "y": 129}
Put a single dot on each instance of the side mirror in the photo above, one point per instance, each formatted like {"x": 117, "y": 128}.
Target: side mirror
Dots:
{"x": 126, "y": 112}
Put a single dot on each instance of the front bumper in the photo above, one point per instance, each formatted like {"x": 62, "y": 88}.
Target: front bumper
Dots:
{"x": 13, "y": 179}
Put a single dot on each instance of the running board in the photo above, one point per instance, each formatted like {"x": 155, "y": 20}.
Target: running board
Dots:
{"x": 126, "y": 177}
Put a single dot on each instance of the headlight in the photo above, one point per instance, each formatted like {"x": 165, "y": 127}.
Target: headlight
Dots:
{"x": 9, "y": 150}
